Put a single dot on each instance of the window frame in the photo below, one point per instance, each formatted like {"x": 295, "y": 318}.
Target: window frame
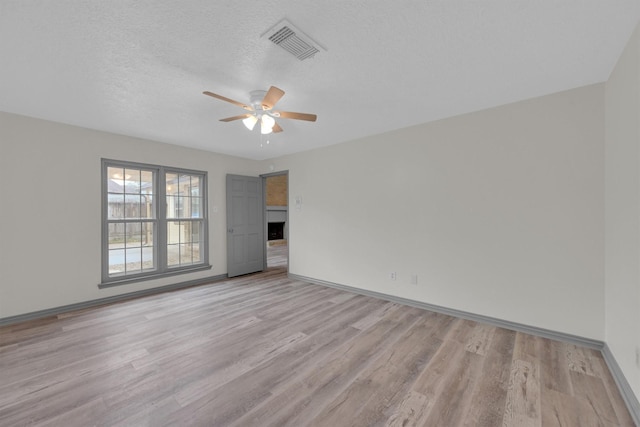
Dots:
{"x": 160, "y": 221}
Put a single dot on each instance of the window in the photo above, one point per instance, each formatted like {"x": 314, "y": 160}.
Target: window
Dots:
{"x": 154, "y": 221}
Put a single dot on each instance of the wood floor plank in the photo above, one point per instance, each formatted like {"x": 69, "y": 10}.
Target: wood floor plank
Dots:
{"x": 316, "y": 386}
{"x": 385, "y": 382}
{"x": 454, "y": 401}
{"x": 479, "y": 339}
{"x": 562, "y": 410}
{"x": 523, "y": 407}
{"x": 590, "y": 388}
{"x": 489, "y": 396}
{"x": 252, "y": 387}
{"x": 555, "y": 368}
{"x": 410, "y": 410}
{"x": 434, "y": 379}
{"x": 374, "y": 317}
{"x": 266, "y": 350}
{"x": 583, "y": 360}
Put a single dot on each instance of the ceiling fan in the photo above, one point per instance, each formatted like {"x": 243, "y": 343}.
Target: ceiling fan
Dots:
{"x": 261, "y": 110}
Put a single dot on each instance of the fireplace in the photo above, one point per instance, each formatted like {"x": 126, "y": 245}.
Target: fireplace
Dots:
{"x": 275, "y": 231}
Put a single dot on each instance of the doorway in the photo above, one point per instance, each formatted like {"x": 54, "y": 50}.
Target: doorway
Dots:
{"x": 276, "y": 201}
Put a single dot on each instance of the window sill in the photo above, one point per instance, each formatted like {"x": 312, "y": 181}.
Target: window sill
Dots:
{"x": 153, "y": 276}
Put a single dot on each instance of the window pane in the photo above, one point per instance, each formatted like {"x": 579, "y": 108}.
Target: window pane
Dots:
{"x": 132, "y": 206}
{"x": 116, "y": 261}
{"x": 185, "y": 183}
{"x": 173, "y": 255}
{"x": 173, "y": 243}
{"x": 175, "y": 235}
{"x": 115, "y": 183}
{"x": 195, "y": 185}
{"x": 146, "y": 235}
{"x": 172, "y": 184}
{"x": 185, "y": 254}
{"x": 196, "y": 203}
{"x": 146, "y": 182}
{"x": 133, "y": 260}
{"x": 116, "y": 248}
{"x": 132, "y": 181}
{"x": 116, "y": 235}
{"x": 173, "y": 232}
{"x": 115, "y": 206}
{"x": 197, "y": 229}
{"x": 179, "y": 211}
{"x": 146, "y": 206}
{"x": 133, "y": 234}
{"x": 175, "y": 207}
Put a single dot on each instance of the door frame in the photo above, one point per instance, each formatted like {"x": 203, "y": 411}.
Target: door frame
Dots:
{"x": 266, "y": 220}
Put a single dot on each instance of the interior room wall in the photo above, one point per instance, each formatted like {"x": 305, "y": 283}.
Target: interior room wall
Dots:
{"x": 498, "y": 213}
{"x": 623, "y": 211}
{"x": 51, "y": 210}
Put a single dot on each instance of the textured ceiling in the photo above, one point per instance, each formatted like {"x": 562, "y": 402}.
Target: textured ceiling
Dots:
{"x": 139, "y": 68}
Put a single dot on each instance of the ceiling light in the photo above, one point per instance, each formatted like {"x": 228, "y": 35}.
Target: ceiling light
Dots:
{"x": 266, "y": 125}
{"x": 250, "y": 122}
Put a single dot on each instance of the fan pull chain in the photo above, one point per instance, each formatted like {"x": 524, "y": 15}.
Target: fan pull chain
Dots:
{"x": 261, "y": 144}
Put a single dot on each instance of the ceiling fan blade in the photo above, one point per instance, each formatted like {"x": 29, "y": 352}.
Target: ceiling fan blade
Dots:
{"x": 224, "y": 98}
{"x": 230, "y": 119}
{"x": 276, "y": 128}
{"x": 297, "y": 116}
{"x": 273, "y": 95}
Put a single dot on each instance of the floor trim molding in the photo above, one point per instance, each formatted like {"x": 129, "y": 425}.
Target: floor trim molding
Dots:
{"x": 107, "y": 300}
{"x": 519, "y": 327}
{"x": 625, "y": 389}
{"x": 623, "y": 385}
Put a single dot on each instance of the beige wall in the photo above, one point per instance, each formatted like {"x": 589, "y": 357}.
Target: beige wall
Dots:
{"x": 623, "y": 211}
{"x": 499, "y": 212}
{"x": 51, "y": 204}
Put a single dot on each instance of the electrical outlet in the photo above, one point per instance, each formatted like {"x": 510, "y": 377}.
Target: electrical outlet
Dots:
{"x": 392, "y": 275}
{"x": 414, "y": 279}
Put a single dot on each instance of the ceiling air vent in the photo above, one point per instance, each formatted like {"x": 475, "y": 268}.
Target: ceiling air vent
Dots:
{"x": 294, "y": 41}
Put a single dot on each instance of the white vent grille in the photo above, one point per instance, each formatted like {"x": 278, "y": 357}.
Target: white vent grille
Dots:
{"x": 294, "y": 41}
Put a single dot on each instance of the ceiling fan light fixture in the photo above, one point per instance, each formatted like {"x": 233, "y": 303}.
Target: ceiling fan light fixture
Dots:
{"x": 250, "y": 122}
{"x": 261, "y": 110}
{"x": 266, "y": 124}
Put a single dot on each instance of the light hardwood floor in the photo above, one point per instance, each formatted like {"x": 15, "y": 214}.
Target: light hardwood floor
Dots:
{"x": 278, "y": 255}
{"x": 265, "y": 350}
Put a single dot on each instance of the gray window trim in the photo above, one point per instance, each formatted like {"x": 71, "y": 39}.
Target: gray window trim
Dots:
{"x": 160, "y": 221}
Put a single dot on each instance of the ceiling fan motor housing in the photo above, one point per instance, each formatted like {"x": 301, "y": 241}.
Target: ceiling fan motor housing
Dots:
{"x": 256, "y": 97}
